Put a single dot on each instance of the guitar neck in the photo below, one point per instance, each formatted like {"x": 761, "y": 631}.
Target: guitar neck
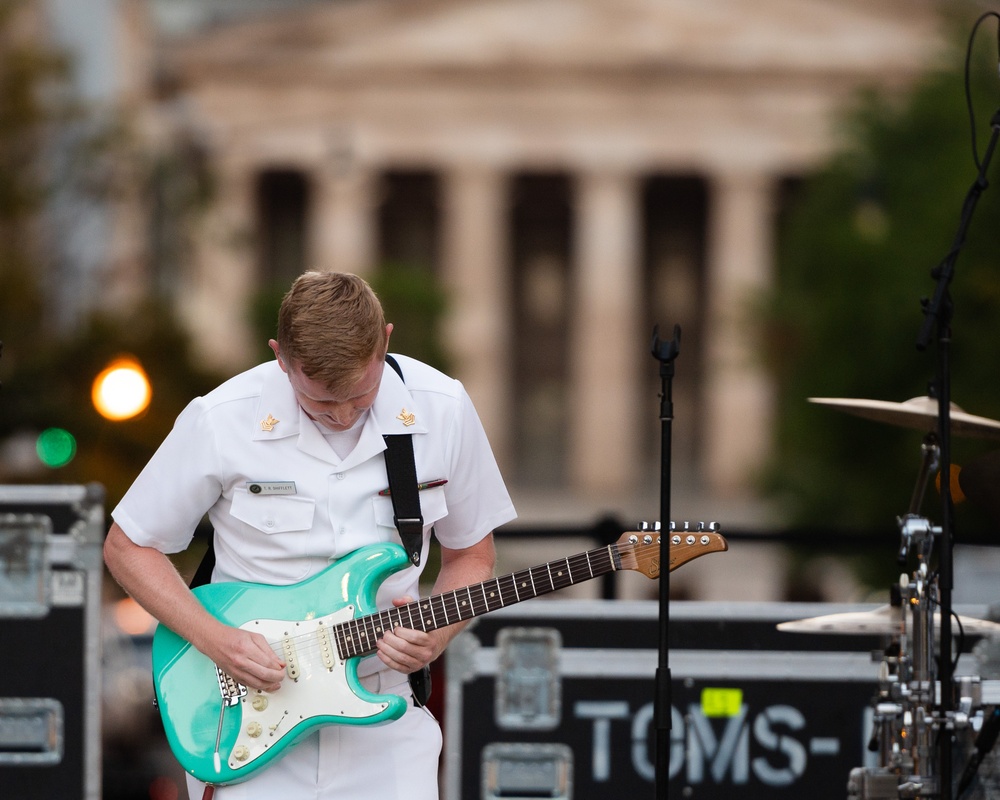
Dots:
{"x": 359, "y": 637}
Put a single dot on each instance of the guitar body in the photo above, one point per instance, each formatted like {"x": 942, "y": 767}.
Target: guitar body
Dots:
{"x": 320, "y": 688}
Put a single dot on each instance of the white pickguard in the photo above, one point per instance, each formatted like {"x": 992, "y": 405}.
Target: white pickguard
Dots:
{"x": 315, "y": 685}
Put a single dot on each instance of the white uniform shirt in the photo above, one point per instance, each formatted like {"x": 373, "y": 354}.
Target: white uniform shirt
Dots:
{"x": 251, "y": 430}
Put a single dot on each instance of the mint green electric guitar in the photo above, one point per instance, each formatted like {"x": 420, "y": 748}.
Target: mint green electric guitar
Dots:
{"x": 223, "y": 733}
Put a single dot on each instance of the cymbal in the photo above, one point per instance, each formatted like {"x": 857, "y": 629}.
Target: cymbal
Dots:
{"x": 883, "y": 620}
{"x": 917, "y": 412}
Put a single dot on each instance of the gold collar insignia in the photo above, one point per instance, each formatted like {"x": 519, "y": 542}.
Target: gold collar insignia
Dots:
{"x": 268, "y": 423}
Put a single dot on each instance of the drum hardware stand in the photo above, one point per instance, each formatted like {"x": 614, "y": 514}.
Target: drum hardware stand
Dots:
{"x": 916, "y": 711}
{"x": 908, "y": 525}
{"x": 665, "y": 353}
{"x": 915, "y": 704}
{"x": 939, "y": 311}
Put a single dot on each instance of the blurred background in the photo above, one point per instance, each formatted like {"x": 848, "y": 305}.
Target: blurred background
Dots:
{"x": 531, "y": 186}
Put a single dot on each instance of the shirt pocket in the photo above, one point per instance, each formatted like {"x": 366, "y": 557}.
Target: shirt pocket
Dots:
{"x": 272, "y": 514}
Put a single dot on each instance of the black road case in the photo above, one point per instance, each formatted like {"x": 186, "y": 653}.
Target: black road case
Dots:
{"x": 554, "y": 699}
{"x": 50, "y": 679}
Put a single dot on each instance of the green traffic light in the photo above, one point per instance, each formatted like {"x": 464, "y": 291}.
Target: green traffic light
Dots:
{"x": 55, "y": 447}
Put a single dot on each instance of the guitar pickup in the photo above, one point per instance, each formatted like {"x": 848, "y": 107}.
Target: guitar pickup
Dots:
{"x": 325, "y": 647}
{"x": 291, "y": 657}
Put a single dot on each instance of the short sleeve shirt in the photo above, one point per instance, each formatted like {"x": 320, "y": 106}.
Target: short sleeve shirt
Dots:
{"x": 283, "y": 505}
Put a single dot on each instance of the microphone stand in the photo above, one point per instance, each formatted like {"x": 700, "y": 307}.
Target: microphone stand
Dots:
{"x": 665, "y": 353}
{"x": 938, "y": 312}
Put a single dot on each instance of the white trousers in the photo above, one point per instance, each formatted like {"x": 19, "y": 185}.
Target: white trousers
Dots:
{"x": 395, "y": 761}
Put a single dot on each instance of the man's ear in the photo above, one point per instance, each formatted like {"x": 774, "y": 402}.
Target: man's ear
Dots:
{"x": 388, "y": 333}
{"x": 273, "y": 344}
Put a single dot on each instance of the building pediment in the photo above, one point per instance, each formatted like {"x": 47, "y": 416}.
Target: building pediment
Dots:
{"x": 402, "y": 37}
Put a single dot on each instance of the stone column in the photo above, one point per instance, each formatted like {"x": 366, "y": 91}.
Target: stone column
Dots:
{"x": 343, "y": 229}
{"x": 739, "y": 401}
{"x": 476, "y": 273}
{"x": 605, "y": 345}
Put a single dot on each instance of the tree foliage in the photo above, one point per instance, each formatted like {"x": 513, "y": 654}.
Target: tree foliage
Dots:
{"x": 47, "y": 370}
{"x": 856, "y": 252}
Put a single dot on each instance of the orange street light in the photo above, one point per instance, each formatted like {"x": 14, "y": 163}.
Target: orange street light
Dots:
{"x": 121, "y": 390}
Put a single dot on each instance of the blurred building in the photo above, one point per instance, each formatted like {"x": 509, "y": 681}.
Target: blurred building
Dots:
{"x": 573, "y": 171}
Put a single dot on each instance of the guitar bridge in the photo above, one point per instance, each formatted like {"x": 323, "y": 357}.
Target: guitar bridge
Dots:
{"x": 230, "y": 689}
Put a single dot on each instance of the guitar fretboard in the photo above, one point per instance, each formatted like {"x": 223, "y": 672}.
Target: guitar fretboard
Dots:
{"x": 360, "y": 636}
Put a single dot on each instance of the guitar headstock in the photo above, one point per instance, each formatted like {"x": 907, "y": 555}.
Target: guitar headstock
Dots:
{"x": 640, "y": 550}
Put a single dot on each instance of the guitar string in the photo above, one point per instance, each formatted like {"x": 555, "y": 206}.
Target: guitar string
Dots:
{"x": 448, "y": 602}
{"x": 371, "y": 626}
{"x": 308, "y": 644}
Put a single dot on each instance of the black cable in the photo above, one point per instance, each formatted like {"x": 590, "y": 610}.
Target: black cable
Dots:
{"x": 968, "y": 81}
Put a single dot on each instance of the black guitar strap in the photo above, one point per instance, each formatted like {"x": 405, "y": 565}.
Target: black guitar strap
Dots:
{"x": 402, "y": 472}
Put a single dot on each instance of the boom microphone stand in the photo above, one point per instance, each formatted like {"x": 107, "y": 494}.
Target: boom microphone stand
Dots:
{"x": 938, "y": 311}
{"x": 665, "y": 353}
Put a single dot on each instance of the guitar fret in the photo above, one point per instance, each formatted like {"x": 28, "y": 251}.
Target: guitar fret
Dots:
{"x": 453, "y": 596}
{"x": 548, "y": 568}
{"x": 505, "y": 590}
{"x": 368, "y": 631}
{"x": 519, "y": 584}
{"x": 472, "y": 604}
{"x": 423, "y": 619}
{"x": 569, "y": 570}
{"x": 572, "y": 576}
{"x": 584, "y": 570}
{"x": 355, "y": 636}
{"x": 444, "y": 611}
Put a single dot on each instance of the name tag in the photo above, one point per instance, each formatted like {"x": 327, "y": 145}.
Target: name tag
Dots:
{"x": 271, "y": 487}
